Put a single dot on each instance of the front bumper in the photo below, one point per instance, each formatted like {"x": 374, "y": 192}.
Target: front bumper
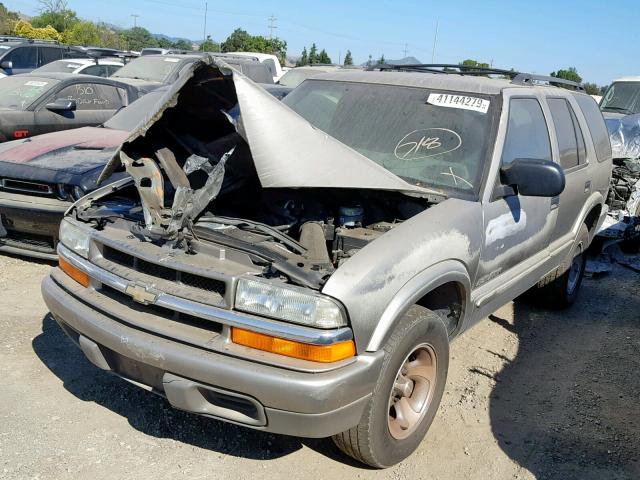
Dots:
{"x": 227, "y": 387}
{"x": 30, "y": 224}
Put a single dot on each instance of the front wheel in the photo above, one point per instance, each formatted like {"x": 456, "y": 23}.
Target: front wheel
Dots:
{"x": 407, "y": 393}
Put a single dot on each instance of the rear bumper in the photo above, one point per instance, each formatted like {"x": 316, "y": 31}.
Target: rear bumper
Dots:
{"x": 30, "y": 224}
{"x": 230, "y": 388}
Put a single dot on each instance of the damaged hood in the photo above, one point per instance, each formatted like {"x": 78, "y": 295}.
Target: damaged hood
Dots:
{"x": 624, "y": 133}
{"x": 287, "y": 150}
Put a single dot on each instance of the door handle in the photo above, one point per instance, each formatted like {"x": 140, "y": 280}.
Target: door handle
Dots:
{"x": 587, "y": 186}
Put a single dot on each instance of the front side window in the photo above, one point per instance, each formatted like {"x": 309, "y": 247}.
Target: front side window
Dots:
{"x": 23, "y": 57}
{"x": 427, "y": 137}
{"x": 527, "y": 135}
{"x": 93, "y": 96}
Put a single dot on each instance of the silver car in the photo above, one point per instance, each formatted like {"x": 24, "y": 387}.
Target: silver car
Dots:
{"x": 301, "y": 267}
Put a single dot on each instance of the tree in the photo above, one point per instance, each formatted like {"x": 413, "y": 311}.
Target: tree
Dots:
{"x": 83, "y": 33}
{"x": 474, "y": 63}
{"x": 313, "y": 54}
{"x": 55, "y": 13}
{"x": 592, "y": 89}
{"x": 209, "y": 45}
{"x": 370, "y": 61}
{"x": 164, "y": 42}
{"x": 25, "y": 29}
{"x": 569, "y": 74}
{"x": 381, "y": 60}
{"x": 241, "y": 41}
{"x": 8, "y": 20}
{"x": 183, "y": 44}
{"x": 323, "y": 57}
{"x": 304, "y": 58}
{"x": 348, "y": 59}
{"x": 137, "y": 38}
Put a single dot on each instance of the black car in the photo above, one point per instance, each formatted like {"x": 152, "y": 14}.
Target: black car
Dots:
{"x": 156, "y": 69}
{"x": 49, "y": 102}
{"x": 23, "y": 55}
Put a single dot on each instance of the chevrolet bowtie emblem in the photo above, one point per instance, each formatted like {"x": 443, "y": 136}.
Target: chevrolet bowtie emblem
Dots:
{"x": 140, "y": 294}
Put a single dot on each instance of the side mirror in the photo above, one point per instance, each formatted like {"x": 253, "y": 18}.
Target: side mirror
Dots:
{"x": 532, "y": 178}
{"x": 61, "y": 105}
{"x": 6, "y": 65}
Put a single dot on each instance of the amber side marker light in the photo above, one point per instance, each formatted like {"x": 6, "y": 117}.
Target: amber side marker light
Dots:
{"x": 288, "y": 348}
{"x": 78, "y": 275}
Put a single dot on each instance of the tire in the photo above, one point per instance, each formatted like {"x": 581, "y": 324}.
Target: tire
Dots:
{"x": 632, "y": 245}
{"x": 382, "y": 438}
{"x": 562, "y": 291}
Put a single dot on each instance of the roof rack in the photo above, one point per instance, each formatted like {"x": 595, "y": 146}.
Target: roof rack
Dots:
{"x": 516, "y": 78}
{"x": 8, "y": 38}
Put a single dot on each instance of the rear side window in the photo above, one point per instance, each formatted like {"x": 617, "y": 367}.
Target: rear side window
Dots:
{"x": 97, "y": 70}
{"x": 568, "y": 133}
{"x": 527, "y": 134}
{"x": 23, "y": 57}
{"x": 93, "y": 96}
{"x": 49, "y": 54}
{"x": 597, "y": 127}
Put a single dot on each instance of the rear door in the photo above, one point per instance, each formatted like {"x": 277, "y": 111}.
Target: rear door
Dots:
{"x": 574, "y": 158}
{"x": 95, "y": 104}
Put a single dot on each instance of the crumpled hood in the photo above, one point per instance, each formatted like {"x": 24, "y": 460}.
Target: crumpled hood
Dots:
{"x": 624, "y": 133}
{"x": 60, "y": 157}
{"x": 287, "y": 150}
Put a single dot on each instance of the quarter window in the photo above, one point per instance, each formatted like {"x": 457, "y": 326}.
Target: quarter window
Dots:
{"x": 565, "y": 132}
{"x": 527, "y": 135}
{"x": 49, "y": 54}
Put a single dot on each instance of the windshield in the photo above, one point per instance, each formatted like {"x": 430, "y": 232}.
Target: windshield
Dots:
{"x": 17, "y": 93}
{"x": 427, "y": 137}
{"x": 60, "y": 66}
{"x": 153, "y": 69}
{"x": 623, "y": 97}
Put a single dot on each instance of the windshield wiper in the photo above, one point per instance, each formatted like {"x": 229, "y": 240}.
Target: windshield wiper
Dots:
{"x": 622, "y": 109}
{"x": 244, "y": 224}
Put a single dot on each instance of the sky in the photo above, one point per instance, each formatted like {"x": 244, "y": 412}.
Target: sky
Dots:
{"x": 598, "y": 38}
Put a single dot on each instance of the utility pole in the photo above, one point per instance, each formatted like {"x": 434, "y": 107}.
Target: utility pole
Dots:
{"x": 204, "y": 30}
{"x": 435, "y": 42}
{"x": 272, "y": 26}
{"x": 405, "y": 50}
{"x": 135, "y": 20}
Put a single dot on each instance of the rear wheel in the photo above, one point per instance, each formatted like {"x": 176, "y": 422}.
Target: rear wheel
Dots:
{"x": 407, "y": 393}
{"x": 562, "y": 292}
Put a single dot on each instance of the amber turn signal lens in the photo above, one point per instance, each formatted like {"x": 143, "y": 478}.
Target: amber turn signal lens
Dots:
{"x": 288, "y": 348}
{"x": 78, "y": 275}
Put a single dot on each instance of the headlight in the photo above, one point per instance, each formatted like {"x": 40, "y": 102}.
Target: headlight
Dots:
{"x": 77, "y": 193}
{"x": 74, "y": 238}
{"x": 288, "y": 303}
{"x": 69, "y": 193}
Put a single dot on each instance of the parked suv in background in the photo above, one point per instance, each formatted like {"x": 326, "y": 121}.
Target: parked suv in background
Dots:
{"x": 302, "y": 267}
{"x": 22, "y": 55}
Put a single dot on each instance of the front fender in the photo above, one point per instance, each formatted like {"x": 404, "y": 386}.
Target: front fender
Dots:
{"x": 376, "y": 284}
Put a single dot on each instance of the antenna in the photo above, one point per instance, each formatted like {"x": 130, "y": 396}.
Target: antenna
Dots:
{"x": 135, "y": 20}
{"x": 435, "y": 42}
{"x": 204, "y": 30}
{"x": 405, "y": 50}
{"x": 272, "y": 25}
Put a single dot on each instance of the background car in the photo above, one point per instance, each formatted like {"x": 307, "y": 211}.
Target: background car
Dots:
{"x": 35, "y": 104}
{"x": 20, "y": 55}
{"x": 296, "y": 76}
{"x": 86, "y": 66}
{"x": 271, "y": 62}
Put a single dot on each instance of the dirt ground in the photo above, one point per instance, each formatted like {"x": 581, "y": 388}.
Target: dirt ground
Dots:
{"x": 531, "y": 394}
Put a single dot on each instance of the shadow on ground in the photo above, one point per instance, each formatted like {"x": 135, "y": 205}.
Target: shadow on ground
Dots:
{"x": 153, "y": 415}
{"x": 567, "y": 407}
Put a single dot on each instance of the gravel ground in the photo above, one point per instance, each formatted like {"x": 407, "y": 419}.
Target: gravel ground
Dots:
{"x": 531, "y": 394}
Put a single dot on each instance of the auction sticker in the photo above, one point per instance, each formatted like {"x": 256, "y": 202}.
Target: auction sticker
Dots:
{"x": 459, "y": 101}
{"x": 33, "y": 83}
{"x": 172, "y": 60}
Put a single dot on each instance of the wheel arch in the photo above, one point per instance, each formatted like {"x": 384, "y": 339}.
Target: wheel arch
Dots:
{"x": 432, "y": 288}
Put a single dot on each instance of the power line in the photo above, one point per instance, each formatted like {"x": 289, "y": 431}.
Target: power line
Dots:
{"x": 135, "y": 20}
{"x": 272, "y": 25}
